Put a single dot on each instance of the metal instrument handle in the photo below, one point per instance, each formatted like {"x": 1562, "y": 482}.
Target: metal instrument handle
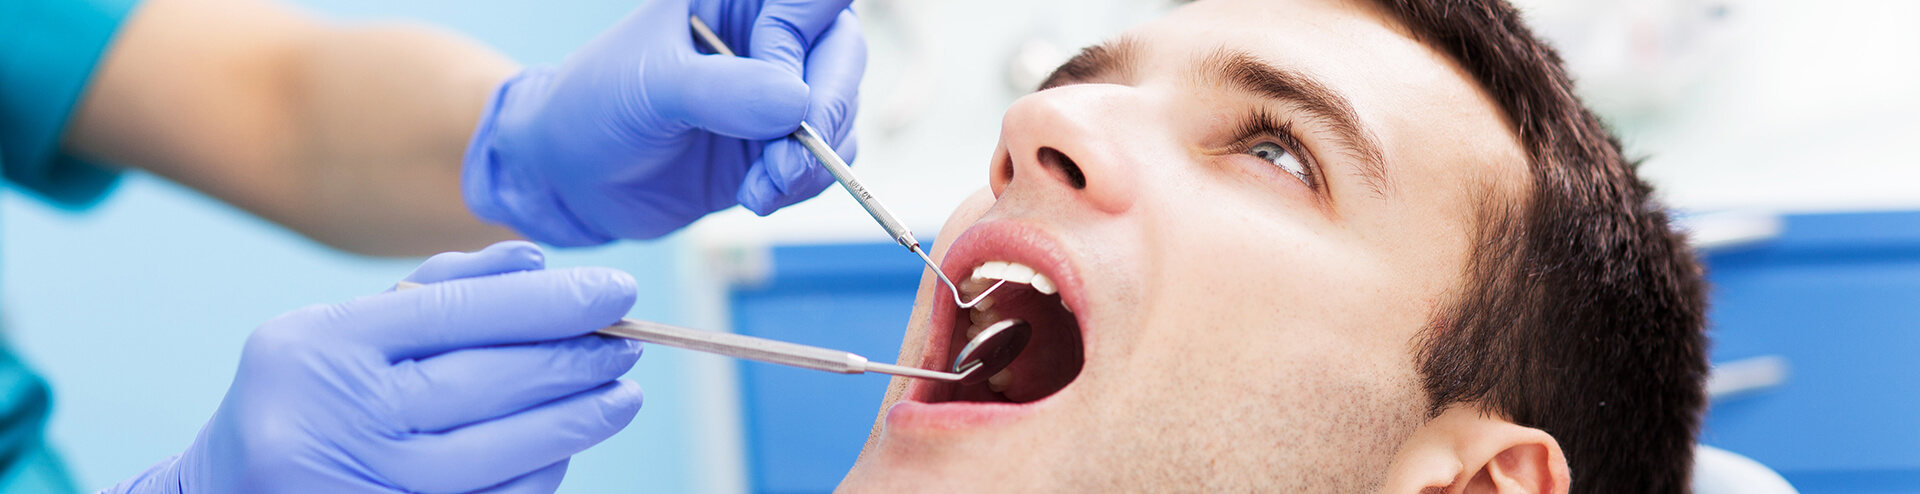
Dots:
{"x": 810, "y": 138}
{"x": 739, "y": 346}
{"x": 753, "y": 348}
{"x": 842, "y": 173}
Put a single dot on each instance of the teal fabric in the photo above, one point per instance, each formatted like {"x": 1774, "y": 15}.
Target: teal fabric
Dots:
{"x": 26, "y": 464}
{"x": 48, "y": 49}
{"x": 37, "y": 471}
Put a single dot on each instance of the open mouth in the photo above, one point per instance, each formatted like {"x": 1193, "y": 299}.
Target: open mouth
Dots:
{"x": 1053, "y": 356}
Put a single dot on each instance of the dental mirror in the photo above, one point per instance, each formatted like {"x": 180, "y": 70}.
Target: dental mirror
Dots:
{"x": 992, "y": 351}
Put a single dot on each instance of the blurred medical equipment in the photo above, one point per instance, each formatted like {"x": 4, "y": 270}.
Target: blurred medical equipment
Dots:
{"x": 984, "y": 355}
{"x": 1718, "y": 471}
{"x": 844, "y": 174}
{"x": 1746, "y": 376}
{"x": 1724, "y": 230}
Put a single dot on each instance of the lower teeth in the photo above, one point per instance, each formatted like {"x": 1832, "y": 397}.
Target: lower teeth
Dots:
{"x": 983, "y": 316}
{"x": 1001, "y": 381}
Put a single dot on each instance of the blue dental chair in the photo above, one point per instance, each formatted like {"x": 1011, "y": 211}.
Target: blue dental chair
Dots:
{"x": 1815, "y": 324}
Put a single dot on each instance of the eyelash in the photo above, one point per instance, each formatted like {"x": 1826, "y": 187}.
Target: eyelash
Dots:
{"x": 1260, "y": 126}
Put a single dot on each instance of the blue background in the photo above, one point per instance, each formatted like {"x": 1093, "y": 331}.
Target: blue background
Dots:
{"x": 135, "y": 310}
{"x": 1837, "y": 296}
{"x": 853, "y": 297}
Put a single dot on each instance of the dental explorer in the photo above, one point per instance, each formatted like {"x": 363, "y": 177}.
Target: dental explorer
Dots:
{"x": 842, "y": 173}
{"x": 985, "y": 355}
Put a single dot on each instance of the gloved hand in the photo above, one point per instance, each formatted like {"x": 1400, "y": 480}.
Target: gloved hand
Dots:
{"x": 485, "y": 380}
{"x": 639, "y": 133}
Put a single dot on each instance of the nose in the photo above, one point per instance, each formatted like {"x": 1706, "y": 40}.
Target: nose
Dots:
{"x": 1072, "y": 140}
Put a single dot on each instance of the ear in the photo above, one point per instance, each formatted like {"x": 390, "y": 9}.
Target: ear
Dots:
{"x": 1465, "y": 450}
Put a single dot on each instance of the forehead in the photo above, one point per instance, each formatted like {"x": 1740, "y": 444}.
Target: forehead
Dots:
{"x": 1339, "y": 40}
{"x": 1352, "y": 45}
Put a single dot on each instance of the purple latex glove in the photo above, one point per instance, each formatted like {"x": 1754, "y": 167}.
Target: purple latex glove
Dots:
{"x": 642, "y": 131}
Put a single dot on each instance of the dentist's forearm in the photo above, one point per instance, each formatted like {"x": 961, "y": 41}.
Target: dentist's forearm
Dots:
{"x": 352, "y": 136}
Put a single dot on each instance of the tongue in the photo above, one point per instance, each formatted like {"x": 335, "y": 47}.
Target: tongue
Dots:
{"x": 1052, "y": 357}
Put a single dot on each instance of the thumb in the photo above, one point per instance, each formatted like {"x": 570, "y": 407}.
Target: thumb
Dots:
{"x": 731, "y": 96}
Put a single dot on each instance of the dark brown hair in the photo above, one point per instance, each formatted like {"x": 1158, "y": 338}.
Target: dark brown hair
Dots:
{"x": 1583, "y": 315}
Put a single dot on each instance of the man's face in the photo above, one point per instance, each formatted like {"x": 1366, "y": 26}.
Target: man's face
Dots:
{"x": 1250, "y": 209}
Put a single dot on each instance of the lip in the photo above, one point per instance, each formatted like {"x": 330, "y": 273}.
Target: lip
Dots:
{"x": 987, "y": 240}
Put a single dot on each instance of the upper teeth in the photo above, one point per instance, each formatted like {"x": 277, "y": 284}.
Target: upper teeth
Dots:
{"x": 1016, "y": 273}
{"x": 983, "y": 315}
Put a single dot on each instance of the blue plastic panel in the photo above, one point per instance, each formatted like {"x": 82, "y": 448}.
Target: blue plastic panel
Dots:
{"x": 1837, "y": 295}
{"x": 805, "y": 427}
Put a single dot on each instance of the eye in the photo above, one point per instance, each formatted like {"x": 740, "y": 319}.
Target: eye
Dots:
{"x": 1280, "y": 157}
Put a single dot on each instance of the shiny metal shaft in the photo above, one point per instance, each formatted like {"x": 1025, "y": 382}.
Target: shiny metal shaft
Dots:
{"x": 752, "y": 348}
{"x": 842, "y": 173}
{"x": 816, "y": 144}
{"x": 812, "y": 140}
{"x": 764, "y": 350}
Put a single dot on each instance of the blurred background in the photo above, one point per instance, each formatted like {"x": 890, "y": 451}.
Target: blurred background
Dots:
{"x": 1786, "y": 130}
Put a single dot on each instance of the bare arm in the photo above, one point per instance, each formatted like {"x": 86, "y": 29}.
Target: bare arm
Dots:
{"x": 352, "y": 136}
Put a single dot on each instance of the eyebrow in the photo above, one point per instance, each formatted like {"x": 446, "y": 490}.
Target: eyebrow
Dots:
{"x": 1116, "y": 61}
{"x": 1113, "y": 59}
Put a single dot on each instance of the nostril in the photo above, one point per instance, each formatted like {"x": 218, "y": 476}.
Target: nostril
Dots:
{"x": 1002, "y": 168}
{"x": 1053, "y": 158}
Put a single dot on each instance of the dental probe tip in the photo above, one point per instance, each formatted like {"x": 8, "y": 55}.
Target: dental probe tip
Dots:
{"x": 964, "y": 304}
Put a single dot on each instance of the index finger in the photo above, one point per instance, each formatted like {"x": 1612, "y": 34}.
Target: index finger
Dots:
{"x": 786, "y": 29}
{"x": 510, "y": 308}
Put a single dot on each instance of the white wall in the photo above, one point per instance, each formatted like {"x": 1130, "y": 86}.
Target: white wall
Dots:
{"x": 1771, "y": 104}
{"x": 1774, "y": 104}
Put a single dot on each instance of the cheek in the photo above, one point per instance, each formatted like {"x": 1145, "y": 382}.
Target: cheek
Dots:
{"x": 1277, "y": 284}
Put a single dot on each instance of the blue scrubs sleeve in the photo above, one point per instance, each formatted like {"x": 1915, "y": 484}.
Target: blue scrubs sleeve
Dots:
{"x": 48, "y": 50}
